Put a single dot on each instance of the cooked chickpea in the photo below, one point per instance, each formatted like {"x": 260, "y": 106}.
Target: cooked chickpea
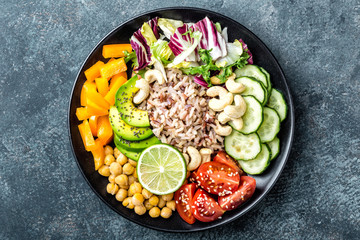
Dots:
{"x": 132, "y": 162}
{"x": 132, "y": 179}
{"x": 135, "y": 174}
{"x": 122, "y": 180}
{"x": 121, "y": 195}
{"x": 161, "y": 203}
{"x": 109, "y": 159}
{"x": 146, "y": 193}
{"x": 121, "y": 158}
{"x": 147, "y": 205}
{"x": 171, "y": 204}
{"x": 116, "y": 152}
{"x": 124, "y": 186}
{"x": 137, "y": 199}
{"x": 154, "y": 200}
{"x": 112, "y": 178}
{"x": 154, "y": 212}
{"x": 140, "y": 209}
{"x": 112, "y": 188}
{"x": 134, "y": 188}
{"x": 128, "y": 169}
{"x": 168, "y": 197}
{"x": 104, "y": 171}
{"x": 108, "y": 150}
{"x": 128, "y": 203}
{"x": 166, "y": 212}
{"x": 115, "y": 168}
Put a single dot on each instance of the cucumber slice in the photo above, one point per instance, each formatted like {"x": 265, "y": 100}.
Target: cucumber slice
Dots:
{"x": 253, "y": 116}
{"x": 241, "y": 146}
{"x": 258, "y": 164}
{"x": 277, "y": 102}
{"x": 253, "y": 88}
{"x": 252, "y": 71}
{"x": 274, "y": 146}
{"x": 269, "y": 87}
{"x": 270, "y": 125}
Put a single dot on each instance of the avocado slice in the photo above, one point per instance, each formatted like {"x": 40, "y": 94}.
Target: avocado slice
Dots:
{"x": 126, "y": 131}
{"x": 130, "y": 154}
{"x": 137, "y": 146}
{"x": 124, "y": 103}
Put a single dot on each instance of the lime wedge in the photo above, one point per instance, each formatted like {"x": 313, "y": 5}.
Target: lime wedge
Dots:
{"x": 161, "y": 169}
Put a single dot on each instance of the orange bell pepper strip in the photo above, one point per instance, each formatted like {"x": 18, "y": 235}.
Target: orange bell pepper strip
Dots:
{"x": 82, "y": 114}
{"x": 110, "y": 96}
{"x": 112, "y": 68}
{"x": 97, "y": 98}
{"x": 93, "y": 122}
{"x": 94, "y": 109}
{"x": 86, "y": 87}
{"x": 115, "y": 50}
{"x": 102, "y": 85}
{"x": 104, "y": 132}
{"x": 98, "y": 154}
{"x": 116, "y": 78}
{"x": 86, "y": 135}
{"x": 94, "y": 71}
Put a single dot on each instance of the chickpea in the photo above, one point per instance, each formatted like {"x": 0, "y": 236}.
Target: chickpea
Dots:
{"x": 147, "y": 205}
{"x": 140, "y": 209}
{"x": 109, "y": 159}
{"x": 128, "y": 203}
{"x": 154, "y": 200}
{"x": 132, "y": 162}
{"x": 166, "y": 212}
{"x": 135, "y": 174}
{"x": 171, "y": 204}
{"x": 116, "y": 152}
{"x": 108, "y": 150}
{"x": 112, "y": 188}
{"x": 128, "y": 169}
{"x": 122, "y": 180}
{"x": 161, "y": 203}
{"x": 104, "y": 171}
{"x": 154, "y": 212}
{"x": 146, "y": 193}
{"x": 112, "y": 178}
{"x": 121, "y": 158}
{"x": 168, "y": 197}
{"x": 132, "y": 179}
{"x": 137, "y": 199}
{"x": 115, "y": 168}
{"x": 126, "y": 187}
{"x": 121, "y": 195}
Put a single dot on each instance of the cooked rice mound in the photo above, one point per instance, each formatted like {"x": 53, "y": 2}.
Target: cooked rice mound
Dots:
{"x": 179, "y": 113}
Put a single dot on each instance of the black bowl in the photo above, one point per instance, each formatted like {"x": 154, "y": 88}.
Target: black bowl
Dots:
{"x": 262, "y": 57}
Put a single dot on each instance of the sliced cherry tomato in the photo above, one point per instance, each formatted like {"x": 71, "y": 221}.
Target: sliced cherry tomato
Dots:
{"x": 183, "y": 198}
{"x": 224, "y": 158}
{"x": 218, "y": 178}
{"x": 205, "y": 208}
{"x": 241, "y": 195}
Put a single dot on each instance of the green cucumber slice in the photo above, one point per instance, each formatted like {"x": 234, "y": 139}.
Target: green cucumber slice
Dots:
{"x": 277, "y": 102}
{"x": 253, "y": 88}
{"x": 259, "y": 164}
{"x": 253, "y": 116}
{"x": 252, "y": 71}
{"x": 269, "y": 87}
{"x": 274, "y": 146}
{"x": 270, "y": 125}
{"x": 241, "y": 146}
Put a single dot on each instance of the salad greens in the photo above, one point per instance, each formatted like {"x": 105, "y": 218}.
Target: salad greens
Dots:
{"x": 201, "y": 49}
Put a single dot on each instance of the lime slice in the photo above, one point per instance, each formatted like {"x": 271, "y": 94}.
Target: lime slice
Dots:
{"x": 161, "y": 169}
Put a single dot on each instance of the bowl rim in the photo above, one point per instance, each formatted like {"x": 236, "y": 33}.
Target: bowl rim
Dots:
{"x": 291, "y": 115}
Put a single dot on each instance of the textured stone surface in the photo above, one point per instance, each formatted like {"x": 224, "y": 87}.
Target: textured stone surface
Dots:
{"x": 43, "y": 194}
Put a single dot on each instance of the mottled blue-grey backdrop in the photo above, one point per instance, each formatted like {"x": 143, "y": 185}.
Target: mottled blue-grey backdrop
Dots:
{"x": 43, "y": 44}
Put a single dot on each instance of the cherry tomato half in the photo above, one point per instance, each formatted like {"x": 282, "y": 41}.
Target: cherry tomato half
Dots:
{"x": 183, "y": 198}
{"x": 205, "y": 208}
{"x": 241, "y": 195}
{"x": 217, "y": 178}
{"x": 224, "y": 158}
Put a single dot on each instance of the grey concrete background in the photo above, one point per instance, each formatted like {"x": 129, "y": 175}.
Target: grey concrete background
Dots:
{"x": 42, "y": 193}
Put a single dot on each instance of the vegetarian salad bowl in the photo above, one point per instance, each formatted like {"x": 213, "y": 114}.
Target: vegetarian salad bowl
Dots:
{"x": 181, "y": 120}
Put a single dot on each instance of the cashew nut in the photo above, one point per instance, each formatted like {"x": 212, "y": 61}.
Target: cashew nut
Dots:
{"x": 233, "y": 86}
{"x": 215, "y": 80}
{"x": 236, "y": 123}
{"x": 225, "y": 98}
{"x": 205, "y": 155}
{"x": 222, "y": 130}
{"x": 195, "y": 158}
{"x": 187, "y": 159}
{"x": 144, "y": 91}
{"x": 237, "y": 110}
{"x": 154, "y": 75}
